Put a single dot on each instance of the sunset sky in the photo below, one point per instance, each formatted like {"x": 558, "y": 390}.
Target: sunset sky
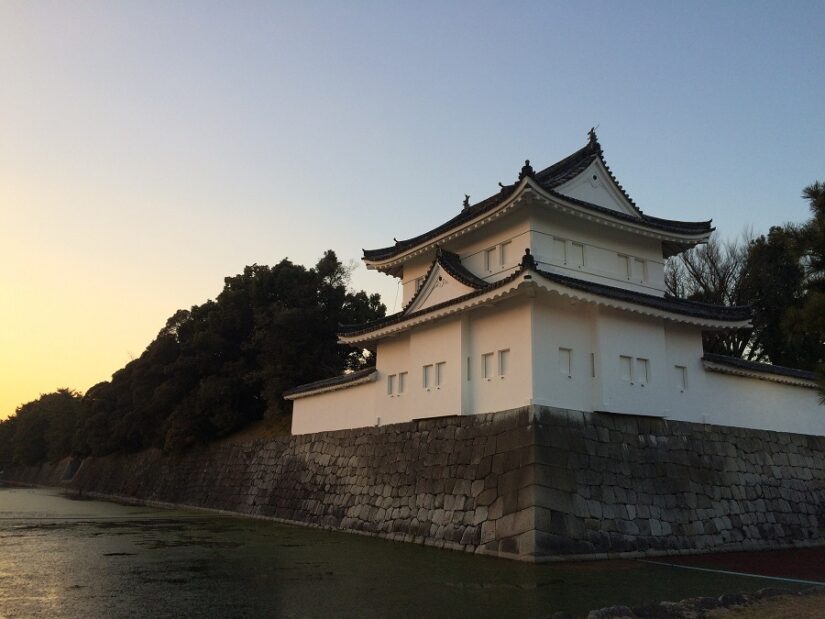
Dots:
{"x": 148, "y": 149}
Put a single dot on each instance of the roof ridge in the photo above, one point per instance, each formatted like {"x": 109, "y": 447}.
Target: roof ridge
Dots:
{"x": 340, "y": 379}
{"x": 399, "y": 316}
{"x": 447, "y": 260}
{"x": 547, "y": 179}
{"x": 453, "y": 265}
{"x": 666, "y": 304}
{"x": 759, "y": 366}
{"x": 743, "y": 312}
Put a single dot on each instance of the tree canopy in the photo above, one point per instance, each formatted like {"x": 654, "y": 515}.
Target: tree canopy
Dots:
{"x": 210, "y": 371}
{"x": 781, "y": 274}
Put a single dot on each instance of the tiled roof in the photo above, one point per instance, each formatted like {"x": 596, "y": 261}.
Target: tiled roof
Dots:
{"x": 755, "y": 366}
{"x": 465, "y": 215}
{"x": 683, "y": 307}
{"x": 668, "y": 304}
{"x": 549, "y": 179}
{"x": 335, "y": 381}
{"x": 350, "y": 330}
{"x": 451, "y": 263}
{"x": 668, "y": 225}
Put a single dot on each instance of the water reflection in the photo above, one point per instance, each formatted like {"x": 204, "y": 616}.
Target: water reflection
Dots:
{"x": 65, "y": 558}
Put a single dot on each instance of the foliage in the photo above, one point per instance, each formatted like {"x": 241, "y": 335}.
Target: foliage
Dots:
{"x": 781, "y": 274}
{"x": 716, "y": 273}
{"x": 40, "y": 430}
{"x": 211, "y": 369}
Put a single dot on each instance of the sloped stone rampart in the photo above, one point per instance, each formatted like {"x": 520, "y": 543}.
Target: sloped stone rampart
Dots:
{"x": 433, "y": 482}
{"x": 620, "y": 484}
{"x": 535, "y": 484}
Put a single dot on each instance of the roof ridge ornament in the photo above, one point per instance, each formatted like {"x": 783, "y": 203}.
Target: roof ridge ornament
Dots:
{"x": 466, "y": 203}
{"x": 526, "y": 171}
{"x": 592, "y": 138}
{"x": 528, "y": 261}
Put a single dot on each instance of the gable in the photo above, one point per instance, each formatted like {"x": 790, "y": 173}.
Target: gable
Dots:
{"x": 595, "y": 185}
{"x": 440, "y": 286}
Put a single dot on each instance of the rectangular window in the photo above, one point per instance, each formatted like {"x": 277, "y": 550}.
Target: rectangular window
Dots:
{"x": 576, "y": 254}
{"x": 468, "y": 369}
{"x": 643, "y": 371}
{"x": 593, "y": 365}
{"x": 503, "y": 253}
{"x": 566, "y": 362}
{"x": 402, "y": 382}
{"x": 503, "y": 361}
{"x": 624, "y": 267}
{"x": 681, "y": 377}
{"x": 489, "y": 259}
{"x": 559, "y": 255}
{"x": 390, "y": 384}
{"x": 487, "y": 365}
{"x": 439, "y": 373}
{"x": 640, "y": 268}
{"x": 427, "y": 381}
{"x": 626, "y": 368}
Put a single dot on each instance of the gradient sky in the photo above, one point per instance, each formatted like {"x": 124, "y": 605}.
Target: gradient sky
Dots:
{"x": 148, "y": 149}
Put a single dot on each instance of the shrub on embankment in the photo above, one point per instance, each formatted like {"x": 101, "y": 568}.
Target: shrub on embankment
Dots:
{"x": 211, "y": 370}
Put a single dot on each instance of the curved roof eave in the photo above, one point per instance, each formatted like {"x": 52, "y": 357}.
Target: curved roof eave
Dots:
{"x": 674, "y": 310}
{"x": 669, "y": 231}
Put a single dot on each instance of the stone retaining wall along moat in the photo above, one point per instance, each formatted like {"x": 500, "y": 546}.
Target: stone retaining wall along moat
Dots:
{"x": 534, "y": 484}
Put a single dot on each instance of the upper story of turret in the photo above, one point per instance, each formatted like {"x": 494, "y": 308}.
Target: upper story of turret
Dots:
{"x": 573, "y": 216}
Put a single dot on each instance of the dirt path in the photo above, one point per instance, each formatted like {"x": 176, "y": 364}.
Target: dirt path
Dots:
{"x": 811, "y": 606}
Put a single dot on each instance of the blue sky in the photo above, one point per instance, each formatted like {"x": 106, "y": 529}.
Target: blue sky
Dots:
{"x": 148, "y": 149}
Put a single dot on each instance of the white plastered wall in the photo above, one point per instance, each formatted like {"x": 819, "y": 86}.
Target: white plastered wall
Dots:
{"x": 413, "y": 269}
{"x": 605, "y": 250}
{"x": 595, "y": 186}
{"x": 352, "y": 407}
{"x": 752, "y": 403}
{"x": 393, "y": 358}
{"x": 503, "y": 327}
{"x": 436, "y": 343}
{"x": 439, "y": 287}
{"x": 563, "y": 341}
{"x": 630, "y": 341}
{"x": 533, "y": 330}
{"x": 508, "y": 237}
{"x": 724, "y": 399}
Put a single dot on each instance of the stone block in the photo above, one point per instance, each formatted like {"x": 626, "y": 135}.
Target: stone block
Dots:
{"x": 487, "y": 497}
{"x": 513, "y": 524}
{"x": 488, "y": 531}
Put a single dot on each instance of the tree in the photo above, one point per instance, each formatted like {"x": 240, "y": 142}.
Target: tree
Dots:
{"x": 40, "y": 430}
{"x": 218, "y": 366}
{"x": 776, "y": 284}
{"x": 811, "y": 316}
{"x": 716, "y": 272}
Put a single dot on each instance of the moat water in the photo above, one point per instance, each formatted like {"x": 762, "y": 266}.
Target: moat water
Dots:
{"x": 62, "y": 557}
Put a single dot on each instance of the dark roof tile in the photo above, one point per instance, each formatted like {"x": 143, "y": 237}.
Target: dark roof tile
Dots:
{"x": 755, "y": 366}
{"x": 668, "y": 304}
{"x": 684, "y": 307}
{"x": 549, "y": 179}
{"x": 335, "y": 381}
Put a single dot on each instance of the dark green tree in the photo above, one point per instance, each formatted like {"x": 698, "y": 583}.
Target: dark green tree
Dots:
{"x": 41, "y": 430}
{"x": 221, "y": 365}
{"x": 717, "y": 273}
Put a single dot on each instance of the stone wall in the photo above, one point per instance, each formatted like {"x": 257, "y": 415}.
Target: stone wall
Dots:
{"x": 535, "y": 484}
{"x": 428, "y": 482}
{"x": 614, "y": 484}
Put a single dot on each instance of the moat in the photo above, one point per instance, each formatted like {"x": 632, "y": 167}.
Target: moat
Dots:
{"x": 62, "y": 557}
